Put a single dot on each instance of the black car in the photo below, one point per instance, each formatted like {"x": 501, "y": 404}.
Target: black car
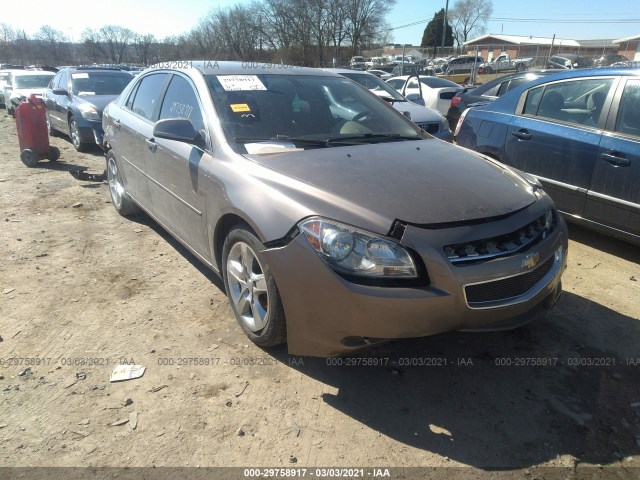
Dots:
{"x": 611, "y": 60}
{"x": 463, "y": 64}
{"x": 75, "y": 99}
{"x": 568, "y": 61}
{"x": 488, "y": 92}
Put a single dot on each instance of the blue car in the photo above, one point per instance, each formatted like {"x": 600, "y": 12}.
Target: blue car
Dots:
{"x": 76, "y": 98}
{"x": 578, "y": 133}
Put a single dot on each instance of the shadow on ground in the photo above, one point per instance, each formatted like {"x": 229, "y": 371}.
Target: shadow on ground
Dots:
{"x": 507, "y": 400}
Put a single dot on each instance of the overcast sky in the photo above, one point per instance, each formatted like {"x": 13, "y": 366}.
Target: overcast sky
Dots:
{"x": 576, "y": 19}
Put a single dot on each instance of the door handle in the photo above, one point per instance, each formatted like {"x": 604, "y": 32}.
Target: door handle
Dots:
{"x": 117, "y": 123}
{"x": 615, "y": 159}
{"x": 522, "y": 134}
{"x": 151, "y": 144}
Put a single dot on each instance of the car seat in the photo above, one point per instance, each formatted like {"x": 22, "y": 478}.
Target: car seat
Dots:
{"x": 551, "y": 106}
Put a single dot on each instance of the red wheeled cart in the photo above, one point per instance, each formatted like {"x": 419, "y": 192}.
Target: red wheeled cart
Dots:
{"x": 32, "y": 132}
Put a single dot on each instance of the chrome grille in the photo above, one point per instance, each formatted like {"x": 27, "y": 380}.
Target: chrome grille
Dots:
{"x": 506, "y": 288}
{"x": 503, "y": 245}
{"x": 430, "y": 127}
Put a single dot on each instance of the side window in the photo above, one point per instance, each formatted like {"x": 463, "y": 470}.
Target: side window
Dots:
{"x": 532, "y": 101}
{"x": 147, "y": 95}
{"x": 413, "y": 84}
{"x": 181, "y": 101}
{"x": 516, "y": 82}
{"x": 577, "y": 101}
{"x": 64, "y": 81}
{"x": 397, "y": 84}
{"x": 628, "y": 121}
{"x": 493, "y": 91}
{"x": 55, "y": 81}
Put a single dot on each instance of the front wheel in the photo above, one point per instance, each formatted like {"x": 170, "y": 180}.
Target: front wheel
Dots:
{"x": 54, "y": 154}
{"x": 251, "y": 289}
{"x": 119, "y": 197}
{"x": 76, "y": 139}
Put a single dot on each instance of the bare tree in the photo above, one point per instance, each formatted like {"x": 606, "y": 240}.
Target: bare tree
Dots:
{"x": 54, "y": 46}
{"x": 143, "y": 45}
{"x": 7, "y": 36}
{"x": 92, "y": 47}
{"x": 365, "y": 16}
{"x": 116, "y": 39}
{"x": 469, "y": 18}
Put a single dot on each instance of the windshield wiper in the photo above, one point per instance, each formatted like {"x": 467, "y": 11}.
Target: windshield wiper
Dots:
{"x": 283, "y": 138}
{"x": 372, "y": 137}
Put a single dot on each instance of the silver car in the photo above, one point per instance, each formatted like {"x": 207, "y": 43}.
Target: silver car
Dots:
{"x": 330, "y": 233}
{"x": 426, "y": 118}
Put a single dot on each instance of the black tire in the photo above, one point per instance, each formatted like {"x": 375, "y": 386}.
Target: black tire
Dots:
{"x": 272, "y": 330}
{"x": 74, "y": 134}
{"x": 29, "y": 157}
{"x": 487, "y": 70}
{"x": 54, "y": 154}
{"x": 121, "y": 200}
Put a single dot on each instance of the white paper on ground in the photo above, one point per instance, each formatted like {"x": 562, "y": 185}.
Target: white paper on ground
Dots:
{"x": 126, "y": 372}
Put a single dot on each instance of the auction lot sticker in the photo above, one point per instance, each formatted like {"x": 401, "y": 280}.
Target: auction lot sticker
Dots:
{"x": 238, "y": 83}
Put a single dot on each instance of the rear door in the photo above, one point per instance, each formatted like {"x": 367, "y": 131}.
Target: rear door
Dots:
{"x": 136, "y": 119}
{"x": 614, "y": 196}
{"x": 555, "y": 136}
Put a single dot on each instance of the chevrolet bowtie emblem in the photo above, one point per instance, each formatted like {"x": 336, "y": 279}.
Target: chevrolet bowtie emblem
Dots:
{"x": 530, "y": 260}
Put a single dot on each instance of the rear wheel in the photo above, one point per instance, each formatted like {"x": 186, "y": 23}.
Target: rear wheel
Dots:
{"x": 119, "y": 197}
{"x": 251, "y": 289}
{"x": 76, "y": 139}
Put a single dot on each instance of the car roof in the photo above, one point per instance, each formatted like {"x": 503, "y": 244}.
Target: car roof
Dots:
{"x": 94, "y": 69}
{"x": 32, "y": 72}
{"x": 346, "y": 70}
{"x": 215, "y": 67}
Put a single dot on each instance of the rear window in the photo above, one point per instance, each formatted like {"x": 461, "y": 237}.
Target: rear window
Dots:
{"x": 435, "y": 82}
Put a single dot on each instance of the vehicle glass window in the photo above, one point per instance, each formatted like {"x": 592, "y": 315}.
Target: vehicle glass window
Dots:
{"x": 516, "y": 82}
{"x": 376, "y": 84}
{"x": 305, "y": 111}
{"x": 435, "y": 82}
{"x": 628, "y": 121}
{"x": 181, "y": 101}
{"x": 412, "y": 84}
{"x": 504, "y": 88}
{"x": 397, "y": 84}
{"x": 32, "y": 81}
{"x": 99, "y": 83}
{"x": 578, "y": 101}
{"x": 532, "y": 101}
{"x": 55, "y": 81}
{"x": 147, "y": 95}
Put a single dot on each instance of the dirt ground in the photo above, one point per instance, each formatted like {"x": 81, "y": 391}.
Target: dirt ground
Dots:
{"x": 83, "y": 289}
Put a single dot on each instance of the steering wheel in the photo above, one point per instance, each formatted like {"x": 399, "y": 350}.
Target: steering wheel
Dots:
{"x": 361, "y": 116}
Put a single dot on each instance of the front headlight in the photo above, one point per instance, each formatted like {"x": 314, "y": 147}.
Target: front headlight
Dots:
{"x": 353, "y": 251}
{"x": 88, "y": 112}
{"x": 444, "y": 124}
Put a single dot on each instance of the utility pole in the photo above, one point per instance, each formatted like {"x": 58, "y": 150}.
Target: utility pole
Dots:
{"x": 444, "y": 23}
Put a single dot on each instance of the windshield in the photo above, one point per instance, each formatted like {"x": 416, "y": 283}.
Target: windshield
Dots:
{"x": 99, "y": 83}
{"x": 32, "y": 81}
{"x": 375, "y": 84}
{"x": 435, "y": 82}
{"x": 304, "y": 111}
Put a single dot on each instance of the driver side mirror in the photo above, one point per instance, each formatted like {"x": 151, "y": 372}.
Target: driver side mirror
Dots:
{"x": 59, "y": 91}
{"x": 415, "y": 98}
{"x": 179, "y": 130}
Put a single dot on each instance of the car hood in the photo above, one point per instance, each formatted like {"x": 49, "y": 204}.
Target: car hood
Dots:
{"x": 422, "y": 182}
{"x": 97, "y": 101}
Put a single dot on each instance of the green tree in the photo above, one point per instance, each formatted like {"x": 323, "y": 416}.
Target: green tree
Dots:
{"x": 432, "y": 36}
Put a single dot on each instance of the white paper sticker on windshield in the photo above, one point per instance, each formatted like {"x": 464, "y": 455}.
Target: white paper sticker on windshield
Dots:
{"x": 237, "y": 83}
{"x": 79, "y": 75}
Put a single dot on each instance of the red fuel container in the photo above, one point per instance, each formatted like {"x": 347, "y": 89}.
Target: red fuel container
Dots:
{"x": 33, "y": 137}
